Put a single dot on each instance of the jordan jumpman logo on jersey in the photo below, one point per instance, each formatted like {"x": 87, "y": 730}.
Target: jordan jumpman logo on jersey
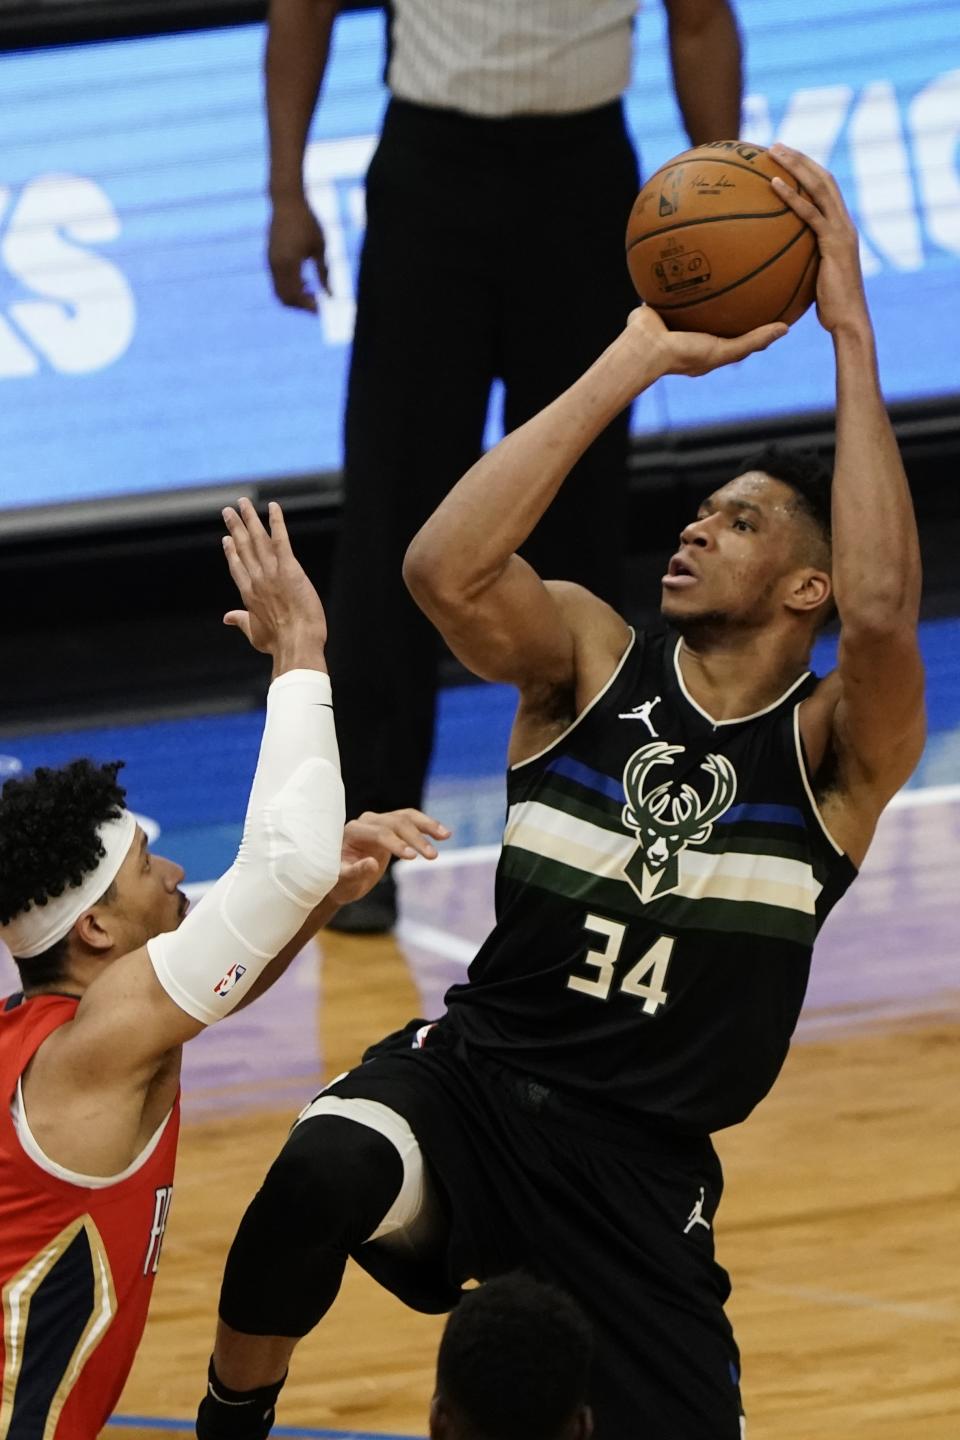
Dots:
{"x": 642, "y": 712}
{"x": 696, "y": 1214}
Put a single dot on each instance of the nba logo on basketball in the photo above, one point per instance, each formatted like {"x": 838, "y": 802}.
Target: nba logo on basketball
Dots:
{"x": 226, "y": 984}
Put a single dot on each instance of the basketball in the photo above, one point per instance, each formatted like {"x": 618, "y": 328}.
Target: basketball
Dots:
{"x": 712, "y": 247}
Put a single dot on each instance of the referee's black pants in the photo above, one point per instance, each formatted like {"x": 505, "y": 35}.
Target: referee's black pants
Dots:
{"x": 494, "y": 249}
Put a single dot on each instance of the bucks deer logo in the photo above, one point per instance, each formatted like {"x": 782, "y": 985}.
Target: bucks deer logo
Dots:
{"x": 666, "y": 819}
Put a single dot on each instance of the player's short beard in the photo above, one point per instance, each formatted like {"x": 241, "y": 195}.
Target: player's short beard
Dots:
{"x": 702, "y": 630}
{"x": 713, "y": 627}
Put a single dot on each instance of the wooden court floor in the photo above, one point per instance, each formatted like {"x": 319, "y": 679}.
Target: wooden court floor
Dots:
{"x": 840, "y": 1226}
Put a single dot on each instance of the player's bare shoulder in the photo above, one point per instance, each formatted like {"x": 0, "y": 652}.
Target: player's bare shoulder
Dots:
{"x": 600, "y": 638}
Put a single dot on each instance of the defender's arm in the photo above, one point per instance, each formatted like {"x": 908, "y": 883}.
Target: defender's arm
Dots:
{"x": 154, "y": 999}
{"x": 369, "y": 844}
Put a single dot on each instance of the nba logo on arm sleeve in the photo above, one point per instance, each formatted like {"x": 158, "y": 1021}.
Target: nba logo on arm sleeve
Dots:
{"x": 227, "y": 982}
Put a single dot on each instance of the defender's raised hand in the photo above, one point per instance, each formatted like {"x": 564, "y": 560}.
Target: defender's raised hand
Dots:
{"x": 840, "y": 295}
{"x": 281, "y": 602}
{"x": 373, "y": 840}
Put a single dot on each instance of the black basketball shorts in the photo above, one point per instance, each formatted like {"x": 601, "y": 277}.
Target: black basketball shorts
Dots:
{"x": 619, "y": 1218}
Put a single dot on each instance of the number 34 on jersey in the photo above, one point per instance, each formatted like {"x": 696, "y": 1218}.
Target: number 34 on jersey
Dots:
{"x": 646, "y": 979}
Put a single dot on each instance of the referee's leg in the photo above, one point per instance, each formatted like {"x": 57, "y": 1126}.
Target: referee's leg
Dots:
{"x": 422, "y": 364}
{"x": 570, "y": 297}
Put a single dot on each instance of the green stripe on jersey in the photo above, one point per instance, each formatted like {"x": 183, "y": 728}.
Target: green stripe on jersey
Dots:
{"x": 575, "y": 799}
{"x": 673, "y": 912}
{"x": 762, "y": 875}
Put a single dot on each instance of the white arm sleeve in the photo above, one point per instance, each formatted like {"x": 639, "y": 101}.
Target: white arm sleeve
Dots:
{"x": 289, "y": 858}
{"x": 298, "y": 727}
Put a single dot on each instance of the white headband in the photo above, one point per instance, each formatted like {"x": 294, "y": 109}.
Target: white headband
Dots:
{"x": 34, "y": 930}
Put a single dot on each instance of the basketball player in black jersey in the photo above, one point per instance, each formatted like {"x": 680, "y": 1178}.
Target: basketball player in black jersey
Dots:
{"x": 682, "y": 815}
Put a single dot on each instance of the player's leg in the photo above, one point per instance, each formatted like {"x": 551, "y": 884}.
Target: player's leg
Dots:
{"x": 569, "y": 297}
{"x": 350, "y": 1173}
{"x": 675, "y": 1374}
{"x": 630, "y": 1237}
{"x": 422, "y": 365}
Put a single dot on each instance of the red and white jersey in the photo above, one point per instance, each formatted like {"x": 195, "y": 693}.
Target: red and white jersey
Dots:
{"x": 77, "y": 1260}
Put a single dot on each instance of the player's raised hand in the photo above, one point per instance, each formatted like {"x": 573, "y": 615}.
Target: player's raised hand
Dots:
{"x": 841, "y": 300}
{"x": 281, "y": 604}
{"x": 683, "y": 352}
{"x": 373, "y": 840}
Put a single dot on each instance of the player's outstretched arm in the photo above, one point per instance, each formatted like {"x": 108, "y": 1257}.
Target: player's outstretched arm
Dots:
{"x": 369, "y": 844}
{"x": 461, "y": 568}
{"x": 876, "y": 718}
{"x": 148, "y": 1002}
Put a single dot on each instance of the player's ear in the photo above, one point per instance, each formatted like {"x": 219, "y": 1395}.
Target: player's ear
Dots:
{"x": 91, "y": 931}
{"x": 808, "y": 590}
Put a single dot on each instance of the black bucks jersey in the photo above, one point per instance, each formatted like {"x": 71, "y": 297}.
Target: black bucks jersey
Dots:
{"x": 662, "y": 881}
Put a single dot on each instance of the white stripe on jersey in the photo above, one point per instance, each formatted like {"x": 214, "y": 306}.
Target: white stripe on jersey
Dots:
{"x": 732, "y": 875}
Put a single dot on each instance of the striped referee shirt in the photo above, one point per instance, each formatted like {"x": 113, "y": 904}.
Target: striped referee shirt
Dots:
{"x": 510, "y": 57}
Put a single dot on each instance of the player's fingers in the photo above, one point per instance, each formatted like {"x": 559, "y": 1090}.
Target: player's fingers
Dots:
{"x": 406, "y": 842}
{"x": 799, "y": 204}
{"x": 800, "y": 166}
{"x": 280, "y": 540}
{"x": 239, "y": 619}
{"x": 240, "y": 541}
{"x": 399, "y": 835}
{"x": 754, "y": 340}
{"x": 817, "y": 181}
{"x": 423, "y": 822}
{"x": 278, "y": 530}
{"x": 402, "y": 823}
{"x": 254, "y": 525}
{"x": 357, "y": 869}
{"x": 238, "y": 570}
{"x": 258, "y": 536}
{"x": 377, "y": 837}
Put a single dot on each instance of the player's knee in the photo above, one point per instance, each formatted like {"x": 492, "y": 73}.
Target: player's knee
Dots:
{"x": 334, "y": 1178}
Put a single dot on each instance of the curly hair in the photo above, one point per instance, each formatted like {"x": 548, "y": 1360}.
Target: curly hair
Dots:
{"x": 514, "y": 1360}
{"x": 806, "y": 474}
{"x": 49, "y": 841}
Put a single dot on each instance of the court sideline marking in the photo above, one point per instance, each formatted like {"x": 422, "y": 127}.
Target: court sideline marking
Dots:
{"x": 291, "y": 1432}
{"x": 908, "y": 1309}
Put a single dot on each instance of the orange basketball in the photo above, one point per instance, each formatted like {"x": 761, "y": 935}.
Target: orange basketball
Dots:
{"x": 712, "y": 247}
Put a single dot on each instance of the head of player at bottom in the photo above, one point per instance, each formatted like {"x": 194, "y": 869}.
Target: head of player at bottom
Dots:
{"x": 757, "y": 555}
{"x": 52, "y": 825}
{"x": 513, "y": 1364}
